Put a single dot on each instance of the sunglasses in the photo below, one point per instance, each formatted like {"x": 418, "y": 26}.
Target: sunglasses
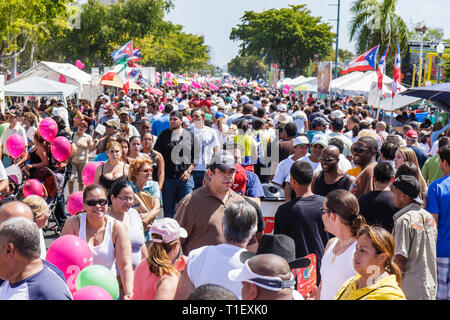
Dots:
{"x": 93, "y": 203}
{"x": 327, "y": 159}
{"x": 359, "y": 149}
{"x": 324, "y": 211}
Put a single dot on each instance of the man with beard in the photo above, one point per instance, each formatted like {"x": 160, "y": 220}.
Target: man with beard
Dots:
{"x": 331, "y": 177}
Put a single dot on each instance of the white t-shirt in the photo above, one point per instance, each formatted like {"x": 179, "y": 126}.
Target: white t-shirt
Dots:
{"x": 211, "y": 264}
{"x": 300, "y": 118}
{"x": 283, "y": 170}
{"x": 30, "y": 133}
{"x": 315, "y": 166}
{"x": 62, "y": 112}
{"x": 208, "y": 137}
{"x": 434, "y": 148}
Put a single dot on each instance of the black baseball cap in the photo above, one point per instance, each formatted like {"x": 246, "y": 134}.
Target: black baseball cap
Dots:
{"x": 223, "y": 161}
{"x": 410, "y": 186}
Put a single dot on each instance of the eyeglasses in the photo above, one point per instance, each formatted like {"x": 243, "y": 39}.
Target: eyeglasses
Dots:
{"x": 327, "y": 159}
{"x": 126, "y": 199}
{"x": 93, "y": 203}
{"x": 323, "y": 210}
{"x": 146, "y": 171}
{"x": 359, "y": 149}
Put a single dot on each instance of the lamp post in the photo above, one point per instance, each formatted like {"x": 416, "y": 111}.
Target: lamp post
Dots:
{"x": 422, "y": 31}
{"x": 440, "y": 50}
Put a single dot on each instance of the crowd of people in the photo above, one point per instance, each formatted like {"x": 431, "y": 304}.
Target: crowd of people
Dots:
{"x": 175, "y": 207}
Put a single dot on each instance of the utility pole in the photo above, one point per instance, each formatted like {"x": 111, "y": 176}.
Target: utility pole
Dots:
{"x": 337, "y": 37}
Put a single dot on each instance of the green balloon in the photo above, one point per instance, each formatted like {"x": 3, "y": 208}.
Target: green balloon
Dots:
{"x": 97, "y": 275}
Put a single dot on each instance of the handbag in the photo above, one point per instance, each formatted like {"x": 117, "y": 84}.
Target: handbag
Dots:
{"x": 144, "y": 202}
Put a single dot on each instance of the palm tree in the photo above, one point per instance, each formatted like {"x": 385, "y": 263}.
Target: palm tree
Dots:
{"x": 375, "y": 22}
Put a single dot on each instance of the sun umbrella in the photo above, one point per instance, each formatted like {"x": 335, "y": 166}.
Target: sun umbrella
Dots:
{"x": 438, "y": 94}
{"x": 155, "y": 91}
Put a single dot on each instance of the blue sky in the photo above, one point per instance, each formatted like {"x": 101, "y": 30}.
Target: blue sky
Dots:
{"x": 214, "y": 19}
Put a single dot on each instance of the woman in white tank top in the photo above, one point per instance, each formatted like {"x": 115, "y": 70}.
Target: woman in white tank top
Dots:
{"x": 106, "y": 237}
{"x": 340, "y": 215}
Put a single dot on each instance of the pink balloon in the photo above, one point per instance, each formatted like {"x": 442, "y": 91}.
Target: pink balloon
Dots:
{"x": 285, "y": 91}
{"x": 15, "y": 145}
{"x": 79, "y": 64}
{"x": 60, "y": 148}
{"x": 48, "y": 128}
{"x": 33, "y": 186}
{"x": 185, "y": 87}
{"x": 92, "y": 293}
{"x": 70, "y": 254}
{"x": 75, "y": 203}
{"x": 62, "y": 79}
{"x": 89, "y": 172}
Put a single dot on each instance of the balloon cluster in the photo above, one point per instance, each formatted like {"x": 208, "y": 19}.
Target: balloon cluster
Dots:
{"x": 60, "y": 146}
{"x": 86, "y": 281}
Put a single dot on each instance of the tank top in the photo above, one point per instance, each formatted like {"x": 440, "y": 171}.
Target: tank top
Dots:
{"x": 135, "y": 232}
{"x": 154, "y": 165}
{"x": 34, "y": 158}
{"x": 106, "y": 183}
{"x": 322, "y": 189}
{"x": 103, "y": 254}
{"x": 335, "y": 274}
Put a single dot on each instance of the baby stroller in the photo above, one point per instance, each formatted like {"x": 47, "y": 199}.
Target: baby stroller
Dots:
{"x": 53, "y": 187}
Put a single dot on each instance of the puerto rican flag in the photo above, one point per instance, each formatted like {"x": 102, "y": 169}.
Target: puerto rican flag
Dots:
{"x": 136, "y": 56}
{"x": 380, "y": 71}
{"x": 396, "y": 85}
{"x": 365, "y": 62}
{"x": 124, "y": 51}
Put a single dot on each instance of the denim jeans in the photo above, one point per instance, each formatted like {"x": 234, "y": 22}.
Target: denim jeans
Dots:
{"x": 198, "y": 178}
{"x": 172, "y": 192}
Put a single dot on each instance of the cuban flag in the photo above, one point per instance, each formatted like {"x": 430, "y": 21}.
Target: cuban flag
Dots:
{"x": 380, "y": 70}
{"x": 365, "y": 62}
{"x": 397, "y": 72}
{"x": 124, "y": 51}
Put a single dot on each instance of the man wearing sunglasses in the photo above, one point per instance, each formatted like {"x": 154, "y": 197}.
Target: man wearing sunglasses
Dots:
{"x": 364, "y": 154}
{"x": 331, "y": 177}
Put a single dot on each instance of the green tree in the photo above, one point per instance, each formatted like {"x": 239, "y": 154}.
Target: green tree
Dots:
{"x": 289, "y": 37}
{"x": 28, "y": 21}
{"x": 246, "y": 66}
{"x": 174, "y": 50}
{"x": 375, "y": 22}
{"x": 445, "y": 67}
{"x": 433, "y": 34}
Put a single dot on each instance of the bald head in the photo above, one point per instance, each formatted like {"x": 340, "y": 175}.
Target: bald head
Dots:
{"x": 331, "y": 151}
{"x": 15, "y": 209}
{"x": 270, "y": 265}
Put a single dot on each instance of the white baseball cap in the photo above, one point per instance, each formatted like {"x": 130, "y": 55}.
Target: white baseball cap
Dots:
{"x": 301, "y": 140}
{"x": 168, "y": 229}
{"x": 337, "y": 114}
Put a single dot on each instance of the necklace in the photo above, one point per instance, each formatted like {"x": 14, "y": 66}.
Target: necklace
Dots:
{"x": 343, "y": 248}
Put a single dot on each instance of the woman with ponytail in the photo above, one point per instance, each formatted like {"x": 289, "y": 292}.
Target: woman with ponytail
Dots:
{"x": 341, "y": 218}
{"x": 156, "y": 277}
{"x": 378, "y": 278}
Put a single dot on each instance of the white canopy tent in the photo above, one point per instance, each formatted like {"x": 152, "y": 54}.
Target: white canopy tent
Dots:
{"x": 290, "y": 82}
{"x": 53, "y": 71}
{"x": 308, "y": 84}
{"x": 398, "y": 102}
{"x": 40, "y": 87}
{"x": 360, "y": 84}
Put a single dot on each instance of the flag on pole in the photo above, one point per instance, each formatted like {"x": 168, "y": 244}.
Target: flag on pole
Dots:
{"x": 397, "y": 72}
{"x": 364, "y": 62}
{"x": 124, "y": 51}
{"x": 380, "y": 71}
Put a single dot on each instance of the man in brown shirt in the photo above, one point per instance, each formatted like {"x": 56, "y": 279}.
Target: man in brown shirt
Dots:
{"x": 201, "y": 212}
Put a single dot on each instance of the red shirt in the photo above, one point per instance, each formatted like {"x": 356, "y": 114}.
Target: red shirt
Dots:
{"x": 206, "y": 103}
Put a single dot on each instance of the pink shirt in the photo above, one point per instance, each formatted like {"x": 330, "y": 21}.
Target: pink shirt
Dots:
{"x": 145, "y": 283}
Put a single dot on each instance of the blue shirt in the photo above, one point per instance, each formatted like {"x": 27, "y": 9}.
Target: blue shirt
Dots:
{"x": 253, "y": 186}
{"x": 437, "y": 202}
{"x": 160, "y": 124}
{"x": 421, "y": 155}
{"x": 47, "y": 284}
{"x": 101, "y": 157}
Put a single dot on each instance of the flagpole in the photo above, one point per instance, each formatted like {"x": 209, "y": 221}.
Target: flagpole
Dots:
{"x": 392, "y": 111}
